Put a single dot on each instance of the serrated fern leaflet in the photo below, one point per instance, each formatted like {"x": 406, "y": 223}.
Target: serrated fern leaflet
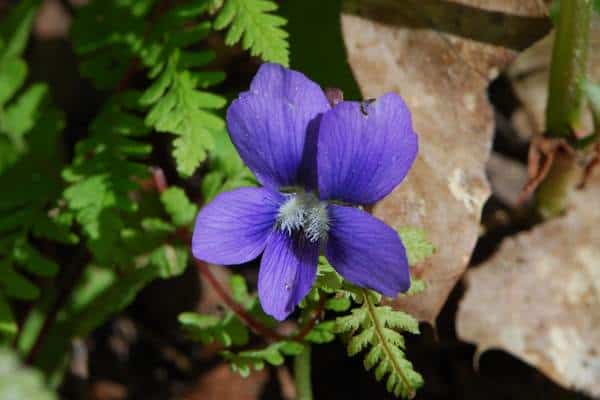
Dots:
{"x": 251, "y": 22}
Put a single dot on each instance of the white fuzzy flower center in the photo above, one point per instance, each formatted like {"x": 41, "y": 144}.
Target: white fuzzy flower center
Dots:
{"x": 303, "y": 212}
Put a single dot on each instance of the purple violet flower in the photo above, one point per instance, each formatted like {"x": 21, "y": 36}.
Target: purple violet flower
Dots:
{"x": 315, "y": 163}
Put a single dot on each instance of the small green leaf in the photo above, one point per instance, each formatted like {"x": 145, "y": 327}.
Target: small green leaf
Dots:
{"x": 16, "y": 27}
{"x": 272, "y": 354}
{"x": 23, "y": 114}
{"x": 16, "y": 285}
{"x": 12, "y": 75}
{"x": 338, "y": 304}
{"x": 418, "y": 248}
{"x": 228, "y": 330}
{"x": 323, "y": 332}
{"x": 179, "y": 207}
{"x": 170, "y": 260}
{"x": 239, "y": 288}
{"x": 198, "y": 321}
{"x": 328, "y": 280}
{"x": 33, "y": 261}
{"x": 157, "y": 226}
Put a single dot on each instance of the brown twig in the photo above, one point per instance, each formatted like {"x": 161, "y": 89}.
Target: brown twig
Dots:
{"x": 310, "y": 324}
{"x": 241, "y": 313}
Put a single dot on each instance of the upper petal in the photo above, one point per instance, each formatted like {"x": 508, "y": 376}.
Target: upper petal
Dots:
{"x": 287, "y": 272}
{"x": 367, "y": 252}
{"x": 365, "y": 149}
{"x": 234, "y": 227}
{"x": 269, "y": 123}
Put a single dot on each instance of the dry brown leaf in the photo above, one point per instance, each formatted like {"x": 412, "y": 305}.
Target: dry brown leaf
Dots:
{"x": 222, "y": 384}
{"x": 440, "y": 56}
{"x": 539, "y": 296}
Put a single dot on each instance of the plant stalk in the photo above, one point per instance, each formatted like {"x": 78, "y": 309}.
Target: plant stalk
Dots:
{"x": 566, "y": 102}
{"x": 302, "y": 374}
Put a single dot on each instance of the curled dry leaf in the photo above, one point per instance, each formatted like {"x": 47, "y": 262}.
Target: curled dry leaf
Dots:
{"x": 539, "y": 296}
{"x": 440, "y": 56}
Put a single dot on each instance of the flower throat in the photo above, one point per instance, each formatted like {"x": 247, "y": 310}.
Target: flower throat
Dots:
{"x": 303, "y": 212}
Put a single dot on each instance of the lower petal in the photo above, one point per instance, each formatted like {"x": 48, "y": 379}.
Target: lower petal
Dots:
{"x": 287, "y": 272}
{"x": 234, "y": 227}
{"x": 367, "y": 252}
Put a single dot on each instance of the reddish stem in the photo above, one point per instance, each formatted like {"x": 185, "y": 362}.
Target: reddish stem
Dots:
{"x": 316, "y": 314}
{"x": 252, "y": 323}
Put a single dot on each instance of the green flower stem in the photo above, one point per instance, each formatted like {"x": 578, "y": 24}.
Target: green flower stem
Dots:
{"x": 552, "y": 194}
{"x": 568, "y": 68}
{"x": 302, "y": 374}
{"x": 566, "y": 101}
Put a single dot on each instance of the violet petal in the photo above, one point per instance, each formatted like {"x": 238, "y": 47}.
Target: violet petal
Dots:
{"x": 365, "y": 149}
{"x": 268, "y": 124}
{"x": 287, "y": 272}
{"x": 367, "y": 252}
{"x": 234, "y": 227}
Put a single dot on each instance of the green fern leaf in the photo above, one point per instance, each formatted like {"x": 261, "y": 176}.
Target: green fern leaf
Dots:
{"x": 102, "y": 177}
{"x": 179, "y": 108}
{"x": 24, "y": 213}
{"x": 376, "y": 326}
{"x": 251, "y": 22}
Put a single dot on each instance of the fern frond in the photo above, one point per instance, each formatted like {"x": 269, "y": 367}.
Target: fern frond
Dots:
{"x": 29, "y": 171}
{"x": 376, "y": 327}
{"x": 184, "y": 111}
{"x": 103, "y": 175}
{"x": 109, "y": 34}
{"x": 260, "y": 31}
{"x": 112, "y": 34}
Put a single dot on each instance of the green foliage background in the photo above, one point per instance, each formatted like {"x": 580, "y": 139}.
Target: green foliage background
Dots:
{"x": 85, "y": 226}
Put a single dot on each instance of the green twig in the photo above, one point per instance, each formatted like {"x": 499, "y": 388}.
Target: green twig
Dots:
{"x": 568, "y": 69}
{"x": 566, "y": 102}
{"x": 302, "y": 374}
